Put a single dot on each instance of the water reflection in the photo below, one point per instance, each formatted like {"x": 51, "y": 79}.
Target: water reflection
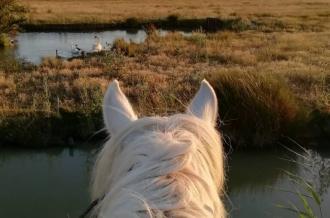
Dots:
{"x": 55, "y": 182}
{"x": 257, "y": 182}
{"x": 315, "y": 167}
{"x": 253, "y": 171}
{"x": 33, "y": 46}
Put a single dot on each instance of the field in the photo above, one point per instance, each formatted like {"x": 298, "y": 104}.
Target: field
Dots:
{"x": 268, "y": 84}
{"x": 293, "y": 13}
{"x": 270, "y": 69}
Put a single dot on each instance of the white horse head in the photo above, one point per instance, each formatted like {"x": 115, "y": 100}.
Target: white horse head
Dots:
{"x": 160, "y": 166}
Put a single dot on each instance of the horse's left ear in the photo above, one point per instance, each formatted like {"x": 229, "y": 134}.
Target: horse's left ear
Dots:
{"x": 205, "y": 104}
{"x": 117, "y": 111}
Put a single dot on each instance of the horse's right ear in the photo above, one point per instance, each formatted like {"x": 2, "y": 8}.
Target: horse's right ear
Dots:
{"x": 205, "y": 104}
{"x": 117, "y": 111}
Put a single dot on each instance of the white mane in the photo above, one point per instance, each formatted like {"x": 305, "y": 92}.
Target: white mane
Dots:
{"x": 160, "y": 166}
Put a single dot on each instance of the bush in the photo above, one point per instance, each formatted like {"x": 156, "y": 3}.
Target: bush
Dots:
{"x": 126, "y": 48}
{"x": 256, "y": 108}
{"x": 4, "y": 40}
{"x": 11, "y": 15}
{"x": 132, "y": 22}
{"x": 173, "y": 18}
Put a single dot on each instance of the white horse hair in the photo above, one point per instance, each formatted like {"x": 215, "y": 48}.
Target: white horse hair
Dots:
{"x": 160, "y": 166}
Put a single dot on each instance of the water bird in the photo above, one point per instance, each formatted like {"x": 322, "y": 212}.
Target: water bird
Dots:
{"x": 75, "y": 50}
{"x": 56, "y": 54}
{"x": 97, "y": 47}
{"x": 59, "y": 55}
{"x": 108, "y": 45}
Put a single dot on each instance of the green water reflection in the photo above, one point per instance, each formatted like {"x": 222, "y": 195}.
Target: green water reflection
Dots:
{"x": 54, "y": 183}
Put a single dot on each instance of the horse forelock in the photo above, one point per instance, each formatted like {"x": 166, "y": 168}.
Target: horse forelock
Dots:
{"x": 168, "y": 166}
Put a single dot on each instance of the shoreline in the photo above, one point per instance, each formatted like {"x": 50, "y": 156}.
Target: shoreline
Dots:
{"x": 133, "y": 24}
{"x": 172, "y": 22}
{"x": 266, "y": 88}
{"x": 43, "y": 130}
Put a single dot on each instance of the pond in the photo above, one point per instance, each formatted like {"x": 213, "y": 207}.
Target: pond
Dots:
{"x": 55, "y": 182}
{"x": 33, "y": 46}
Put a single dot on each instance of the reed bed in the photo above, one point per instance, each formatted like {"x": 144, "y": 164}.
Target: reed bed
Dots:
{"x": 268, "y": 84}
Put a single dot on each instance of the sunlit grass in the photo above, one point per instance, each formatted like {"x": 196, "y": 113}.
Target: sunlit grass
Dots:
{"x": 302, "y": 15}
{"x": 265, "y": 82}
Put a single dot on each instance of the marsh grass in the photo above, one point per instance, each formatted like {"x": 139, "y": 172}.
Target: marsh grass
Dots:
{"x": 4, "y": 40}
{"x": 126, "y": 48}
{"x": 310, "y": 194}
{"x": 268, "y": 83}
{"x": 12, "y": 13}
{"x": 270, "y": 15}
{"x": 259, "y": 106}
{"x": 307, "y": 187}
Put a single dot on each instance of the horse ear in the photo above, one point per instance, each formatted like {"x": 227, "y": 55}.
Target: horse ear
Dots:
{"x": 117, "y": 111}
{"x": 205, "y": 104}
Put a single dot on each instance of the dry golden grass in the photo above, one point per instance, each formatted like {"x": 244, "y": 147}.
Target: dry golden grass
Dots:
{"x": 301, "y": 60}
{"x": 272, "y": 77}
{"x": 293, "y": 12}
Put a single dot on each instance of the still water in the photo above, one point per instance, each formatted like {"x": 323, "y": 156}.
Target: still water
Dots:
{"x": 53, "y": 183}
{"x": 33, "y": 46}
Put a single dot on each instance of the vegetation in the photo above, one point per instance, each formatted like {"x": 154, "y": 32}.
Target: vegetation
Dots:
{"x": 11, "y": 15}
{"x": 269, "y": 66}
{"x": 274, "y": 14}
{"x": 269, "y": 85}
{"x": 309, "y": 185}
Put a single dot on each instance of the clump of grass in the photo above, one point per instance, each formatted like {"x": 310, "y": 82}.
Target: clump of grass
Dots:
{"x": 51, "y": 62}
{"x": 11, "y": 65}
{"x": 173, "y": 18}
{"x": 198, "y": 37}
{"x": 132, "y": 22}
{"x": 4, "y": 40}
{"x": 307, "y": 211}
{"x": 127, "y": 48}
{"x": 11, "y": 15}
{"x": 6, "y": 83}
{"x": 256, "y": 108}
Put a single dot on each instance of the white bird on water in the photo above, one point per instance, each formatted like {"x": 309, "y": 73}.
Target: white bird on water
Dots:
{"x": 97, "y": 46}
{"x": 75, "y": 50}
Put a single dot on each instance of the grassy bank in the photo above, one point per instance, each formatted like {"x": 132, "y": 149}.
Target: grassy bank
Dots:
{"x": 279, "y": 15}
{"x": 309, "y": 13}
{"x": 269, "y": 85}
{"x": 172, "y": 22}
